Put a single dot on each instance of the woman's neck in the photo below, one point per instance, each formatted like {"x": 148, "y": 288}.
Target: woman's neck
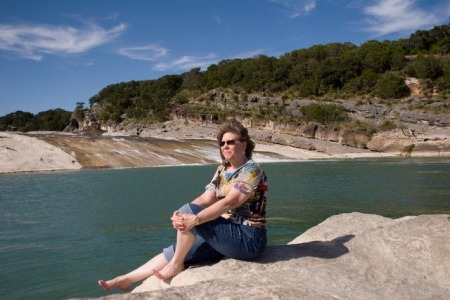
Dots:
{"x": 236, "y": 163}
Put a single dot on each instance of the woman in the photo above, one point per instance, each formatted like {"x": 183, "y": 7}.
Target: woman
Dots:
{"x": 228, "y": 219}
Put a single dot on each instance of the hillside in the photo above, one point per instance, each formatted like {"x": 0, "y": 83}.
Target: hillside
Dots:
{"x": 339, "y": 93}
{"x": 381, "y": 96}
{"x": 375, "y": 72}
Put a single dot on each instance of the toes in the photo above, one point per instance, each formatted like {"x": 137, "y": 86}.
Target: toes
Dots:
{"x": 103, "y": 284}
{"x": 157, "y": 274}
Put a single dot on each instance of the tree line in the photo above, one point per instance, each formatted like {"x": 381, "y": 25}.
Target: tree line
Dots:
{"x": 344, "y": 70}
{"x": 51, "y": 120}
{"x": 335, "y": 70}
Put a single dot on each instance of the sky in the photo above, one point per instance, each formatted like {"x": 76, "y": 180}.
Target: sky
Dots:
{"x": 55, "y": 53}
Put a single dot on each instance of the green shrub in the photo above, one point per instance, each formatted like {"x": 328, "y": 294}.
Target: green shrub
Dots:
{"x": 391, "y": 86}
{"x": 323, "y": 113}
{"x": 386, "y": 126}
{"x": 135, "y": 113}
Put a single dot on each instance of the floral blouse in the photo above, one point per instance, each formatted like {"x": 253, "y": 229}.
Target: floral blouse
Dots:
{"x": 249, "y": 179}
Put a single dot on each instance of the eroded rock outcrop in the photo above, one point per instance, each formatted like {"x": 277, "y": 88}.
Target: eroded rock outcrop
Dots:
{"x": 365, "y": 118}
{"x": 348, "y": 256}
{"x": 414, "y": 143}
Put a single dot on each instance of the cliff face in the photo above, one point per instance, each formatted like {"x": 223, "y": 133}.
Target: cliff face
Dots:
{"x": 422, "y": 141}
{"x": 422, "y": 127}
{"x": 193, "y": 143}
{"x": 348, "y": 256}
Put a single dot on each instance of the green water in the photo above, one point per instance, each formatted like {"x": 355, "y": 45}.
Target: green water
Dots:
{"x": 60, "y": 232}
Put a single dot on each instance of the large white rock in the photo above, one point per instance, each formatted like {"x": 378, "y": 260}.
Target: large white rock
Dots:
{"x": 348, "y": 256}
{"x": 23, "y": 153}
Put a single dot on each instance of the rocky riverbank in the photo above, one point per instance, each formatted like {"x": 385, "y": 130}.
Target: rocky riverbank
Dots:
{"x": 194, "y": 143}
{"x": 348, "y": 256}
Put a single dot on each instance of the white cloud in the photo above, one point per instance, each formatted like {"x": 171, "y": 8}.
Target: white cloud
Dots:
{"x": 388, "y": 16}
{"x": 187, "y": 63}
{"x": 149, "y": 52}
{"x": 33, "y": 42}
{"x": 297, "y": 8}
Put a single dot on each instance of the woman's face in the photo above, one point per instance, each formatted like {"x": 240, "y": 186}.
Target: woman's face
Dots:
{"x": 231, "y": 147}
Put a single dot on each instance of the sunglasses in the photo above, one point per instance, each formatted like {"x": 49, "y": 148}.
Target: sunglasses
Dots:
{"x": 229, "y": 143}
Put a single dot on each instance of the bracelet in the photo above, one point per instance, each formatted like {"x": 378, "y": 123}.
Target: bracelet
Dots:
{"x": 197, "y": 220}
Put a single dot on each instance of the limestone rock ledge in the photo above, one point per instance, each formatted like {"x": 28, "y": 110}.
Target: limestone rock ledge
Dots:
{"x": 22, "y": 153}
{"x": 348, "y": 256}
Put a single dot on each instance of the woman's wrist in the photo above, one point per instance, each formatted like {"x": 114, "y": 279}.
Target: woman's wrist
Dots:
{"x": 197, "y": 220}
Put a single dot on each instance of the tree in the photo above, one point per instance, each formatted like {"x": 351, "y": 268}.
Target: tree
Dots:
{"x": 397, "y": 57}
{"x": 192, "y": 80}
{"x": 436, "y": 39}
{"x": 157, "y": 95}
{"x": 308, "y": 87}
{"x": 376, "y": 56}
{"x": 53, "y": 119}
{"x": 391, "y": 86}
{"x": 363, "y": 84}
{"x": 20, "y": 120}
{"x": 443, "y": 82}
{"x": 427, "y": 67}
{"x": 79, "y": 110}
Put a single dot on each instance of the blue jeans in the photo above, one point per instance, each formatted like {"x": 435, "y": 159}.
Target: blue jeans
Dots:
{"x": 220, "y": 238}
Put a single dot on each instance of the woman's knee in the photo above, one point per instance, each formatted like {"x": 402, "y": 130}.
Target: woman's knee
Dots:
{"x": 190, "y": 208}
{"x": 185, "y": 209}
{"x": 195, "y": 208}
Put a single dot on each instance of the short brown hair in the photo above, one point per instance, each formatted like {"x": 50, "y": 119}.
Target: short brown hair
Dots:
{"x": 237, "y": 128}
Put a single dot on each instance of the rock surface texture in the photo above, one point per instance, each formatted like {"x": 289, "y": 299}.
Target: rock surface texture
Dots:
{"x": 24, "y": 153}
{"x": 348, "y": 256}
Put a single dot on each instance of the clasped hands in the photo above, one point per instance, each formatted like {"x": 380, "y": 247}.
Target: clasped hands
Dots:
{"x": 182, "y": 222}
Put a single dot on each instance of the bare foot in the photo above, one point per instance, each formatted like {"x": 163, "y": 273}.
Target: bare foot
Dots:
{"x": 119, "y": 282}
{"x": 169, "y": 271}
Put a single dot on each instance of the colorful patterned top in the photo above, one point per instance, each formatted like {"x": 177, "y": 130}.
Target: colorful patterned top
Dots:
{"x": 249, "y": 179}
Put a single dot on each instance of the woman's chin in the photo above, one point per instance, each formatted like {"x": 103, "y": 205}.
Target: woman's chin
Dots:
{"x": 228, "y": 158}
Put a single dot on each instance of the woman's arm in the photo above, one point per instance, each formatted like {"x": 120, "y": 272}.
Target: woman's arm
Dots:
{"x": 206, "y": 199}
{"x": 234, "y": 199}
{"x": 246, "y": 183}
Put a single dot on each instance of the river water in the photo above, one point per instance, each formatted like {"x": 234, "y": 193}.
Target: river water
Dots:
{"x": 61, "y": 231}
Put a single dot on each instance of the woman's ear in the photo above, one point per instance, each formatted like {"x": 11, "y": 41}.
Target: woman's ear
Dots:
{"x": 244, "y": 144}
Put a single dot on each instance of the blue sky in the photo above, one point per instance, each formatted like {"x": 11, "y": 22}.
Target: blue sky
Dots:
{"x": 54, "y": 53}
